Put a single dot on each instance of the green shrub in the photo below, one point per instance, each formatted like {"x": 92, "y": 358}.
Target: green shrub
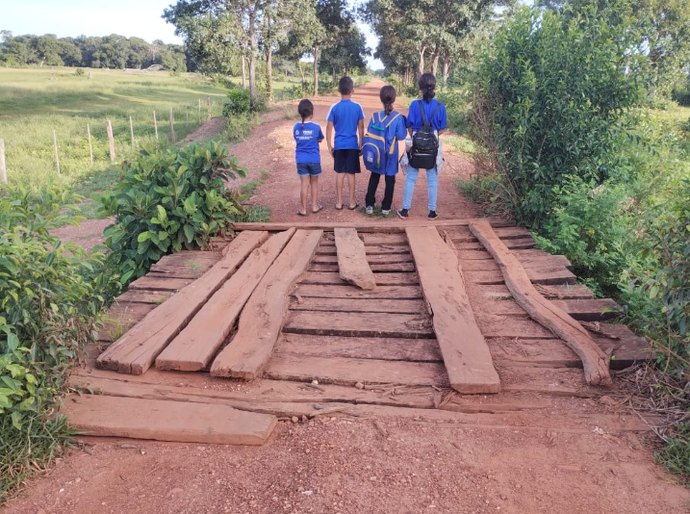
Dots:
{"x": 169, "y": 200}
{"x": 239, "y": 102}
{"x": 549, "y": 103}
{"x": 49, "y": 297}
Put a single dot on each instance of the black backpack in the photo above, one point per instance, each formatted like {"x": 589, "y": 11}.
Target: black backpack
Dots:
{"x": 424, "y": 143}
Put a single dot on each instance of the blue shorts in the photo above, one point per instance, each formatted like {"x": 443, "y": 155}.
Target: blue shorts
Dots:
{"x": 308, "y": 168}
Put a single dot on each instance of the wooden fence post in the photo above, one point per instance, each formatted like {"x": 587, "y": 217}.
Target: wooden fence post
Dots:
{"x": 111, "y": 142}
{"x": 88, "y": 133}
{"x": 131, "y": 131}
{"x": 155, "y": 124}
{"x": 172, "y": 126}
{"x": 198, "y": 117}
{"x": 57, "y": 156}
{"x": 3, "y": 168}
{"x": 208, "y": 103}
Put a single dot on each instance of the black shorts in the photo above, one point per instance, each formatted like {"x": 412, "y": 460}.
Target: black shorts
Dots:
{"x": 346, "y": 161}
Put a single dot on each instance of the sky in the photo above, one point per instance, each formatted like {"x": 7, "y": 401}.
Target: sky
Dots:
{"x": 71, "y": 18}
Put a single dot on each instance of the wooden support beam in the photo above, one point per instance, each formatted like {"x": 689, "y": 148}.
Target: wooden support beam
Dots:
{"x": 465, "y": 352}
{"x": 195, "y": 346}
{"x": 387, "y": 226}
{"x": 260, "y": 322}
{"x": 353, "y": 266}
{"x": 594, "y": 360}
{"x": 135, "y": 351}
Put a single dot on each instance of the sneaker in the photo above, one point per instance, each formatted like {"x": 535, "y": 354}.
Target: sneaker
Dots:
{"x": 385, "y": 212}
{"x": 370, "y": 210}
{"x": 403, "y": 213}
{"x": 432, "y": 215}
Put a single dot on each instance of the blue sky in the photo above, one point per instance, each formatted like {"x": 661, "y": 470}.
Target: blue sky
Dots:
{"x": 141, "y": 18}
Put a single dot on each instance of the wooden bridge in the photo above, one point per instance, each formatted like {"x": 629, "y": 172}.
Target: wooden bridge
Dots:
{"x": 460, "y": 316}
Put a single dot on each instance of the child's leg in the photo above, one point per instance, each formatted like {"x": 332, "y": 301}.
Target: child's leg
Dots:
{"x": 388, "y": 195}
{"x": 351, "y": 187}
{"x": 303, "y": 192}
{"x": 432, "y": 187}
{"x": 370, "y": 198}
{"x": 314, "y": 181}
{"x": 339, "y": 181}
{"x": 410, "y": 181}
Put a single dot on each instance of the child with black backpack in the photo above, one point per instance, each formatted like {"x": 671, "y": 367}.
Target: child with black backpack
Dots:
{"x": 426, "y": 120}
{"x": 386, "y": 132}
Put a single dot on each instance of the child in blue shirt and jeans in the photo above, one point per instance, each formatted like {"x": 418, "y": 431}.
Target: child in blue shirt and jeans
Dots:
{"x": 307, "y": 136}
{"x": 435, "y": 113}
{"x": 347, "y": 118}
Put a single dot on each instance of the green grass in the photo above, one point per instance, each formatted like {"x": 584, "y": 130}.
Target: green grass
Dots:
{"x": 35, "y": 102}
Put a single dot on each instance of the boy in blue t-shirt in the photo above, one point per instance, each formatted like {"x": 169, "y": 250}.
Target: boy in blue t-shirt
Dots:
{"x": 395, "y": 136}
{"x": 347, "y": 118}
{"x": 435, "y": 113}
{"x": 307, "y": 136}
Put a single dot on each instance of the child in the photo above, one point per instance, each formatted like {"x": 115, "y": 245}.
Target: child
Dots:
{"x": 395, "y": 132}
{"x": 347, "y": 117}
{"x": 308, "y": 135}
{"x": 435, "y": 115}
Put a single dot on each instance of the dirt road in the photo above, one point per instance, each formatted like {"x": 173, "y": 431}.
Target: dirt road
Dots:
{"x": 420, "y": 462}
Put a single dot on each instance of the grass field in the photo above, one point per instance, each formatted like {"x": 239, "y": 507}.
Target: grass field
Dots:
{"x": 36, "y": 102}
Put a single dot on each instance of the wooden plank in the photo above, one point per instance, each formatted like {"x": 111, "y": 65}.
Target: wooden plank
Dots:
{"x": 562, "y": 292}
{"x": 357, "y": 305}
{"x": 511, "y": 244}
{"x": 381, "y": 348}
{"x": 359, "y": 324}
{"x": 121, "y": 316}
{"x": 353, "y": 266}
{"x": 389, "y": 239}
{"x": 162, "y": 420}
{"x": 187, "y": 265}
{"x": 406, "y": 256}
{"x": 260, "y": 321}
{"x": 393, "y": 267}
{"x": 382, "y": 279}
{"x": 504, "y": 326}
{"x": 465, "y": 354}
{"x": 328, "y": 248}
{"x": 537, "y": 276}
{"x": 198, "y": 342}
{"x": 144, "y": 296}
{"x": 348, "y": 291}
{"x": 136, "y": 350}
{"x": 390, "y": 225}
{"x": 344, "y": 371}
{"x": 463, "y": 233}
{"x": 621, "y": 343}
{"x": 547, "y": 261}
{"x": 587, "y": 309}
{"x": 594, "y": 360}
{"x": 159, "y": 283}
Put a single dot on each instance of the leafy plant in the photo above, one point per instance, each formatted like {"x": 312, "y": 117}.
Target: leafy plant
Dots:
{"x": 169, "y": 200}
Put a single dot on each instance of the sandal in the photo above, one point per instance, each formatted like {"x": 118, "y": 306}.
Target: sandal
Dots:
{"x": 353, "y": 207}
{"x": 338, "y": 208}
{"x": 318, "y": 209}
{"x": 301, "y": 213}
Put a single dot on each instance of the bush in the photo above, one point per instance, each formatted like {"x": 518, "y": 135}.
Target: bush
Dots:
{"x": 49, "y": 297}
{"x": 169, "y": 200}
{"x": 549, "y": 103}
{"x": 239, "y": 103}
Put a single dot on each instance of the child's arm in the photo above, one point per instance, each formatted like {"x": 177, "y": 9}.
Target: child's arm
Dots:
{"x": 360, "y": 129}
{"x": 329, "y": 139}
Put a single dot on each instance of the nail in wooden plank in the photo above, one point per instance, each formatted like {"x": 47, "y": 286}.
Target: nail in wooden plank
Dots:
{"x": 465, "y": 353}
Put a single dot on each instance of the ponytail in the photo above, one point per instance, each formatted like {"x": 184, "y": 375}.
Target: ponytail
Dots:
{"x": 427, "y": 85}
{"x": 305, "y": 109}
{"x": 387, "y": 96}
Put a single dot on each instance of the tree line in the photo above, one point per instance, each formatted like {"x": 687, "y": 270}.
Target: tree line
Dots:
{"x": 113, "y": 52}
{"x": 231, "y": 37}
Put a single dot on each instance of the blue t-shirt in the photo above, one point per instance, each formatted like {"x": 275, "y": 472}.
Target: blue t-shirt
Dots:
{"x": 307, "y": 139}
{"x": 414, "y": 115}
{"x": 398, "y": 131}
{"x": 345, "y": 116}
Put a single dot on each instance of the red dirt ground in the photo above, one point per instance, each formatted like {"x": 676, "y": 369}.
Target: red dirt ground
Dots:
{"x": 391, "y": 464}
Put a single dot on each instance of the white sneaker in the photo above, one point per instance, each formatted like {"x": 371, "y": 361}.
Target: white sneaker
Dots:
{"x": 370, "y": 211}
{"x": 385, "y": 212}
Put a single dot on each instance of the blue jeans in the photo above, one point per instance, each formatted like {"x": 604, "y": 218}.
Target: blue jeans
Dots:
{"x": 411, "y": 180}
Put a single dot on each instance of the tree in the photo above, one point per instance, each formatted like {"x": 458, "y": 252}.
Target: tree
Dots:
{"x": 345, "y": 49}
{"x": 306, "y": 37}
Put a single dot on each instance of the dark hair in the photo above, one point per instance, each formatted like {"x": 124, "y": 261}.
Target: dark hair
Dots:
{"x": 427, "y": 85}
{"x": 305, "y": 109}
{"x": 387, "y": 96}
{"x": 345, "y": 85}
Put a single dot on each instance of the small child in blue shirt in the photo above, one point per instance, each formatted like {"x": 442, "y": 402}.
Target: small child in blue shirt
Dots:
{"x": 347, "y": 118}
{"x": 308, "y": 135}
